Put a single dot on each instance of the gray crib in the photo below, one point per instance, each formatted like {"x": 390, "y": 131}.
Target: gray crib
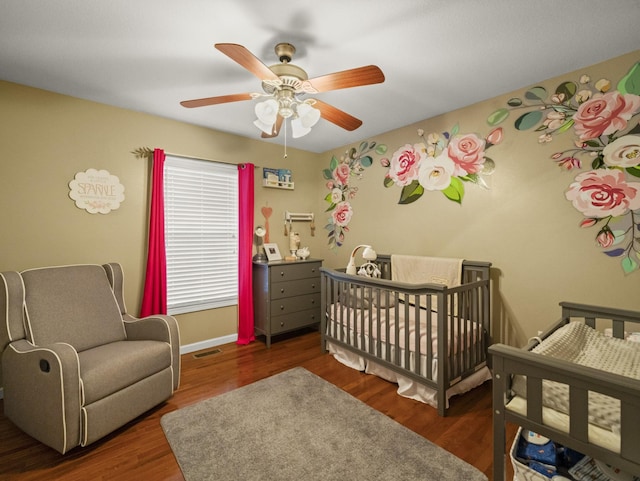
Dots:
{"x": 432, "y": 334}
{"x": 508, "y": 362}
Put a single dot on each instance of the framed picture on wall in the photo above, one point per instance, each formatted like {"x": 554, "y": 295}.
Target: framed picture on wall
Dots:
{"x": 272, "y": 251}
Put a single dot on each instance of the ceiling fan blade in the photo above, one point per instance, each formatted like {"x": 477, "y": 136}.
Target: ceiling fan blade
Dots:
{"x": 348, "y": 78}
{"x": 223, "y": 99}
{"x": 241, "y": 55}
{"x": 337, "y": 116}
{"x": 276, "y": 128}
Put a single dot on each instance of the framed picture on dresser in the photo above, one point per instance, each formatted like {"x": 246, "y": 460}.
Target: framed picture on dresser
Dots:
{"x": 272, "y": 251}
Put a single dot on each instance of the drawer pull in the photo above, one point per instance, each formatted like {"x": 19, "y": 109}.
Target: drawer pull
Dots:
{"x": 281, "y": 323}
{"x": 313, "y": 301}
{"x": 282, "y": 291}
{"x": 313, "y": 286}
{"x": 281, "y": 307}
{"x": 281, "y": 273}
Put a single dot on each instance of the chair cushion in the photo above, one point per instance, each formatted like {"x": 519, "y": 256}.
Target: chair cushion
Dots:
{"x": 107, "y": 369}
{"x": 71, "y": 304}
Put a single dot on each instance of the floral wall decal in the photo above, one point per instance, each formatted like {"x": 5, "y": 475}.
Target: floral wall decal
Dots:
{"x": 339, "y": 176}
{"x": 607, "y": 135}
{"x": 441, "y": 162}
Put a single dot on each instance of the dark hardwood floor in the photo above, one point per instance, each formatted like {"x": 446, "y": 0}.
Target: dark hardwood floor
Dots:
{"x": 139, "y": 450}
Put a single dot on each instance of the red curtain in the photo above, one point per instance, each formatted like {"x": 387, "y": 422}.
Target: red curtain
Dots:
{"x": 245, "y": 253}
{"x": 154, "y": 298}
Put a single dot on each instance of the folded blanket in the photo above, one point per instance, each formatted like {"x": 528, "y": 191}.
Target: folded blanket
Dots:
{"x": 421, "y": 269}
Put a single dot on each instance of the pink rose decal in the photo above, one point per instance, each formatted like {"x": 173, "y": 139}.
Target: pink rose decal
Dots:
{"x": 605, "y": 114}
{"x": 341, "y": 174}
{"x": 605, "y": 238}
{"x": 467, "y": 152}
{"x": 405, "y": 164}
{"x": 342, "y": 214}
{"x": 603, "y": 193}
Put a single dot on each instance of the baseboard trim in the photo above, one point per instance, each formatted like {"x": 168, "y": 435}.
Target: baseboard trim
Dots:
{"x": 198, "y": 346}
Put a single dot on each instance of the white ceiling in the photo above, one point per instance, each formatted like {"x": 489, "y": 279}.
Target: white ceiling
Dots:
{"x": 437, "y": 55}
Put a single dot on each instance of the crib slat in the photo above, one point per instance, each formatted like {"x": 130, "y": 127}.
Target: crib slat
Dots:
{"x": 579, "y": 410}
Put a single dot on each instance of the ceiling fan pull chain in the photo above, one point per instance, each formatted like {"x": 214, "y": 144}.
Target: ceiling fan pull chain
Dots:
{"x": 285, "y": 138}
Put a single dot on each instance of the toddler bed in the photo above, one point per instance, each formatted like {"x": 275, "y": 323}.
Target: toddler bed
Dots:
{"x": 576, "y": 384}
{"x": 401, "y": 331}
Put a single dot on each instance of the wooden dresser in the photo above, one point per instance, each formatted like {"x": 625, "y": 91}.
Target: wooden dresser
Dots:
{"x": 286, "y": 296}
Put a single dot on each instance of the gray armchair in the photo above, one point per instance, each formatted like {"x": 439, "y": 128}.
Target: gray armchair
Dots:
{"x": 75, "y": 365}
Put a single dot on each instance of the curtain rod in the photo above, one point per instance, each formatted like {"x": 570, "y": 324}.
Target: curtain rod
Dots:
{"x": 208, "y": 160}
{"x": 144, "y": 152}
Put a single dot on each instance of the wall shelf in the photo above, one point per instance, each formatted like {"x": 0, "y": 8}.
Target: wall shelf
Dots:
{"x": 278, "y": 185}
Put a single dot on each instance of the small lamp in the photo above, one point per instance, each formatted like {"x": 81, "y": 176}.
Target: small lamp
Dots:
{"x": 260, "y": 256}
{"x": 368, "y": 253}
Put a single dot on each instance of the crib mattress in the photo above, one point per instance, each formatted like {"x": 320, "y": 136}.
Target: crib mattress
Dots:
{"x": 578, "y": 343}
{"x": 419, "y": 322}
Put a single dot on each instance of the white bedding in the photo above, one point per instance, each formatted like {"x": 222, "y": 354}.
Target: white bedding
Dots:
{"x": 578, "y": 343}
{"x": 358, "y": 335}
{"x": 407, "y": 387}
{"x": 359, "y": 320}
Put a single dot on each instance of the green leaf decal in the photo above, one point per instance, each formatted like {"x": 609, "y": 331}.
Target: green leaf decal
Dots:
{"x": 629, "y": 265}
{"x": 498, "y": 117}
{"x": 381, "y": 149}
{"x": 635, "y": 171}
{"x": 334, "y": 162}
{"x": 630, "y": 83}
{"x": 363, "y": 146}
{"x": 327, "y": 174}
{"x": 536, "y": 93}
{"x": 566, "y": 126}
{"x": 455, "y": 191}
{"x": 388, "y": 182}
{"x": 528, "y": 120}
{"x": 411, "y": 193}
{"x": 568, "y": 89}
{"x": 514, "y": 102}
{"x": 366, "y": 161}
{"x": 455, "y": 130}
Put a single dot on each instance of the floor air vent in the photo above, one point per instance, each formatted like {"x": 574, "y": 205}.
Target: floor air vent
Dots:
{"x": 207, "y": 353}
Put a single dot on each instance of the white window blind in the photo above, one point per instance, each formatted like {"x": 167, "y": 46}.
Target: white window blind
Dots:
{"x": 201, "y": 234}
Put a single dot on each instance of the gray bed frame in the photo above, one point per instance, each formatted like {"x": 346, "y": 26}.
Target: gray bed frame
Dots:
{"x": 509, "y": 361}
{"x": 464, "y": 308}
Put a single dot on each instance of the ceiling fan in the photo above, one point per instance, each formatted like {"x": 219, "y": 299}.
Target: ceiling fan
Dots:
{"x": 285, "y": 86}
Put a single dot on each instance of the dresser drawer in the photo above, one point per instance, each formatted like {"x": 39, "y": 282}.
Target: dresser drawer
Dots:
{"x": 290, "y": 272}
{"x": 294, "y": 320}
{"x": 294, "y": 304}
{"x": 295, "y": 288}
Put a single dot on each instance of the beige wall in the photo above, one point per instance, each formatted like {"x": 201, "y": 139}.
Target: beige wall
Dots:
{"x": 523, "y": 224}
{"x": 47, "y": 138}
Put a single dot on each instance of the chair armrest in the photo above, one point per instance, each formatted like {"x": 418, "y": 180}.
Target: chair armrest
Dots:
{"x": 159, "y": 327}
{"x": 33, "y": 373}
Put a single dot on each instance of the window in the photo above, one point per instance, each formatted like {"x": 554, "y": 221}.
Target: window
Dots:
{"x": 201, "y": 234}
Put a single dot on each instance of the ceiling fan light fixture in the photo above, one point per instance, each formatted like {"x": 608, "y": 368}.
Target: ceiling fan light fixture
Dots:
{"x": 307, "y": 118}
{"x": 267, "y": 112}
